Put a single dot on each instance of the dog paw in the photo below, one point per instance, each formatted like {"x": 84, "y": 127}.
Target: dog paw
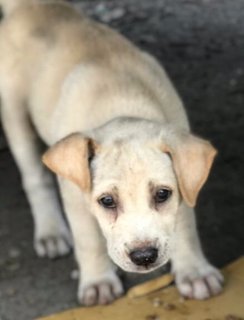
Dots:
{"x": 100, "y": 292}
{"x": 53, "y": 243}
{"x": 199, "y": 282}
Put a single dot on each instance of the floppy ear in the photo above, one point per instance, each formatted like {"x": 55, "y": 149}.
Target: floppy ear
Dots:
{"x": 192, "y": 160}
{"x": 69, "y": 158}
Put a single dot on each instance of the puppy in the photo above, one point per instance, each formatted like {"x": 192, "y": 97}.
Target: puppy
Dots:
{"x": 129, "y": 170}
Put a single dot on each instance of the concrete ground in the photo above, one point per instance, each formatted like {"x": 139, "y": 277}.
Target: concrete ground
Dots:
{"x": 201, "y": 44}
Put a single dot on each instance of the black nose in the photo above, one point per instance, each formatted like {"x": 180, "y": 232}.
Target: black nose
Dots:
{"x": 144, "y": 256}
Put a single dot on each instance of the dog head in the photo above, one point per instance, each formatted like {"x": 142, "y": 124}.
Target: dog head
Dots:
{"x": 134, "y": 184}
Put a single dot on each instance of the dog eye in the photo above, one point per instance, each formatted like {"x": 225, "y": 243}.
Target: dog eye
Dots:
{"x": 162, "y": 195}
{"x": 107, "y": 202}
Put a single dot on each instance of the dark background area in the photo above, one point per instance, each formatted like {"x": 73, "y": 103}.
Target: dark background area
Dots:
{"x": 201, "y": 45}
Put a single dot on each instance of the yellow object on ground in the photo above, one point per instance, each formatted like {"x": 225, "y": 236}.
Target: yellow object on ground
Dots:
{"x": 150, "y": 286}
{"x": 166, "y": 304}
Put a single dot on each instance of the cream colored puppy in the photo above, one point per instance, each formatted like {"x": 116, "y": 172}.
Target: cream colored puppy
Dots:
{"x": 128, "y": 168}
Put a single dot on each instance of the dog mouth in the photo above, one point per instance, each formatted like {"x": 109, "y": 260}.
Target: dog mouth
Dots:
{"x": 141, "y": 259}
{"x": 149, "y": 268}
{"x": 131, "y": 267}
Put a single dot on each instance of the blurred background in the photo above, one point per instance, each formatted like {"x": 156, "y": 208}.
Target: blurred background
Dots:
{"x": 201, "y": 45}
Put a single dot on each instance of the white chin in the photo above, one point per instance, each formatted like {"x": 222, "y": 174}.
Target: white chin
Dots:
{"x": 140, "y": 269}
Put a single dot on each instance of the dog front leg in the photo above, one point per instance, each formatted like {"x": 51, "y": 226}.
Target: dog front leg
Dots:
{"x": 98, "y": 282}
{"x": 195, "y": 276}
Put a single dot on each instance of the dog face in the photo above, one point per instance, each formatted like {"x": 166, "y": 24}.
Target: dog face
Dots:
{"x": 135, "y": 188}
{"x": 135, "y": 200}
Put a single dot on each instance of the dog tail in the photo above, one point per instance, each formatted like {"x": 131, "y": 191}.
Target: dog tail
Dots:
{"x": 7, "y": 6}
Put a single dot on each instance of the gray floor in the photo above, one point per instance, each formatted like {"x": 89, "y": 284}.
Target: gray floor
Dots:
{"x": 201, "y": 43}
